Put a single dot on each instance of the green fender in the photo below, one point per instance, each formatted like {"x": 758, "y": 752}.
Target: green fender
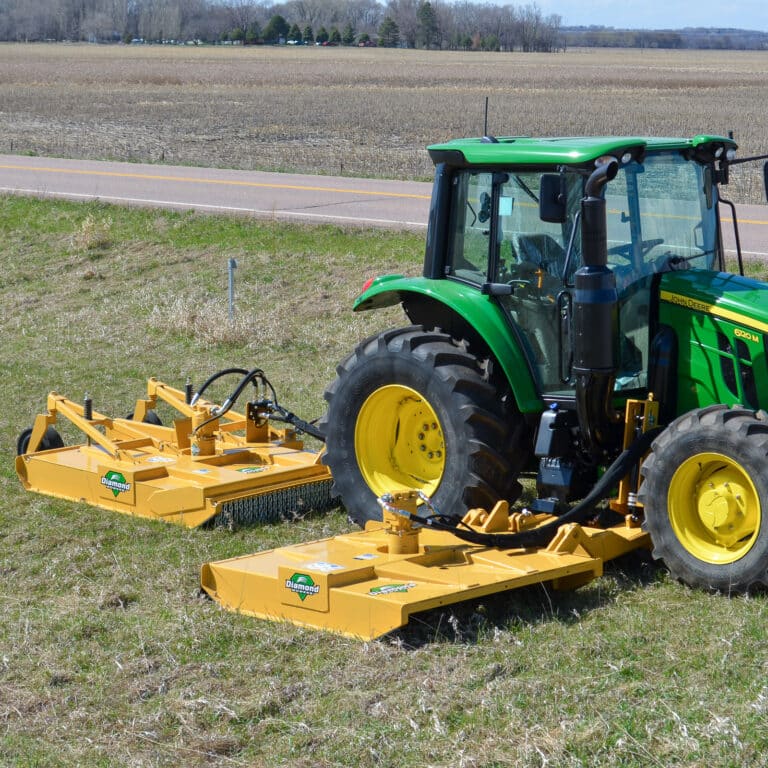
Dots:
{"x": 480, "y": 312}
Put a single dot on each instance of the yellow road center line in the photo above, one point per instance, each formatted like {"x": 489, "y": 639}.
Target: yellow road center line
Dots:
{"x": 222, "y": 182}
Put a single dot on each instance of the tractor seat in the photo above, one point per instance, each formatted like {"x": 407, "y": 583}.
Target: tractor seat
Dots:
{"x": 542, "y": 250}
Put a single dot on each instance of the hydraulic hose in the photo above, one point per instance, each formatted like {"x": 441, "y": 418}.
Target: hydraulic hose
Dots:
{"x": 299, "y": 423}
{"x": 215, "y": 377}
{"x": 248, "y": 377}
{"x": 538, "y": 537}
{"x": 254, "y": 375}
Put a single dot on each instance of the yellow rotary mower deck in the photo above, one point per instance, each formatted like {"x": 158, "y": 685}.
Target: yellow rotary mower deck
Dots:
{"x": 368, "y": 583}
{"x": 229, "y": 468}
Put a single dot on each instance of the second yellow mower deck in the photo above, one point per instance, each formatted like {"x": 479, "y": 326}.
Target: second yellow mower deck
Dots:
{"x": 363, "y": 585}
{"x": 246, "y": 471}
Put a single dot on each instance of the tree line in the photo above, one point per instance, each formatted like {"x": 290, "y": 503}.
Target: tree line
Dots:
{"x": 692, "y": 37}
{"x": 438, "y": 24}
{"x": 396, "y": 23}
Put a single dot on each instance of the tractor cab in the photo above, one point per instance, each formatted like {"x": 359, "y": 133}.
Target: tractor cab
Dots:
{"x": 517, "y": 236}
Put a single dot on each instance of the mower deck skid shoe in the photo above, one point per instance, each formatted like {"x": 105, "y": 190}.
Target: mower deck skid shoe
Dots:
{"x": 366, "y": 584}
{"x": 139, "y": 467}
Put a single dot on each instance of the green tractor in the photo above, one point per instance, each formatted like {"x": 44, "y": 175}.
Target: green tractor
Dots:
{"x": 564, "y": 278}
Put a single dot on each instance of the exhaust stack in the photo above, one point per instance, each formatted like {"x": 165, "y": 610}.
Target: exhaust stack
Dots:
{"x": 596, "y": 320}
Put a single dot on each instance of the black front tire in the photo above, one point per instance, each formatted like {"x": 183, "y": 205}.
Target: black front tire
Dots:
{"x": 705, "y": 493}
{"x": 414, "y": 410}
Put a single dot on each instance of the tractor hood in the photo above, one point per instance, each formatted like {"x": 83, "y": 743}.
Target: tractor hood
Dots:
{"x": 733, "y": 298}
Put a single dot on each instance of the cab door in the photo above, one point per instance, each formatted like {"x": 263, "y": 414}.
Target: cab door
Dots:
{"x": 498, "y": 239}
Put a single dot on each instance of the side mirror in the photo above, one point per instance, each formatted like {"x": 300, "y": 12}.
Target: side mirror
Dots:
{"x": 552, "y": 202}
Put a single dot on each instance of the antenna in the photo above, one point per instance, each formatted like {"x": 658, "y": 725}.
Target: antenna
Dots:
{"x": 487, "y": 138}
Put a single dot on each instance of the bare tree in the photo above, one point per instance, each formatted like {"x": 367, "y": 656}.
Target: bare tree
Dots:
{"x": 530, "y": 27}
{"x": 202, "y": 21}
{"x": 159, "y": 20}
{"x": 30, "y": 20}
{"x": 98, "y": 26}
{"x": 404, "y": 14}
{"x": 312, "y": 12}
{"x": 364, "y": 15}
{"x": 242, "y": 13}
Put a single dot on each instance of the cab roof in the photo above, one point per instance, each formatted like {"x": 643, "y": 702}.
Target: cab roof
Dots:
{"x": 575, "y": 150}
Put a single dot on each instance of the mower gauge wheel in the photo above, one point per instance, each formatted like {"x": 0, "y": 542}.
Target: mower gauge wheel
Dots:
{"x": 51, "y": 439}
{"x": 150, "y": 418}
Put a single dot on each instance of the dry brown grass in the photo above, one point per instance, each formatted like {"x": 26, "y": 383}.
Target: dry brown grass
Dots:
{"x": 359, "y": 111}
{"x": 109, "y": 659}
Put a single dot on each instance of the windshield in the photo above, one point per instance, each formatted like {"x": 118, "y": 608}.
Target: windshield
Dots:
{"x": 661, "y": 215}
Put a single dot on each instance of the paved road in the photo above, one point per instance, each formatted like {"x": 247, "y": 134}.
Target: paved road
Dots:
{"x": 368, "y": 202}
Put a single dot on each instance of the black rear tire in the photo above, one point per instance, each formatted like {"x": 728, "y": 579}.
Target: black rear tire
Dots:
{"x": 414, "y": 410}
{"x": 705, "y": 493}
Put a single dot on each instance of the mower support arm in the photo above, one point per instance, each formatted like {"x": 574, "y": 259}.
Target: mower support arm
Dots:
{"x": 58, "y": 404}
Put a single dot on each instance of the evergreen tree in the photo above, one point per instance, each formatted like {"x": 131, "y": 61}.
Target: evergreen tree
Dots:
{"x": 427, "y": 24}
{"x": 389, "y": 33}
{"x": 253, "y": 33}
{"x": 322, "y": 35}
{"x": 276, "y": 28}
{"x": 308, "y": 35}
{"x": 348, "y": 35}
{"x": 295, "y": 33}
{"x": 335, "y": 36}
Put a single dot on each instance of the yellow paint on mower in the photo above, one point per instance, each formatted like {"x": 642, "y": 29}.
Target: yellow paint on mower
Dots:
{"x": 233, "y": 469}
{"x": 368, "y": 583}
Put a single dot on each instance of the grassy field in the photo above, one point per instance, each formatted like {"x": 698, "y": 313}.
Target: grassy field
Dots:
{"x": 109, "y": 657}
{"x": 361, "y": 112}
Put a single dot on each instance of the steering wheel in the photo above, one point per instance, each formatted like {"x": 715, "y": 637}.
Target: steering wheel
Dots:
{"x": 625, "y": 250}
{"x": 530, "y": 280}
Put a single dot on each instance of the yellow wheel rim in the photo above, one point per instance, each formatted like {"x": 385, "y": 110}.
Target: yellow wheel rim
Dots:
{"x": 714, "y": 508}
{"x": 399, "y": 442}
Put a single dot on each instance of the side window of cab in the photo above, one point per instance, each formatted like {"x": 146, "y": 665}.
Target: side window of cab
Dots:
{"x": 470, "y": 227}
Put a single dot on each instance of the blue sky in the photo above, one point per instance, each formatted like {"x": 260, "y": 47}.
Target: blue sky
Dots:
{"x": 660, "y": 14}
